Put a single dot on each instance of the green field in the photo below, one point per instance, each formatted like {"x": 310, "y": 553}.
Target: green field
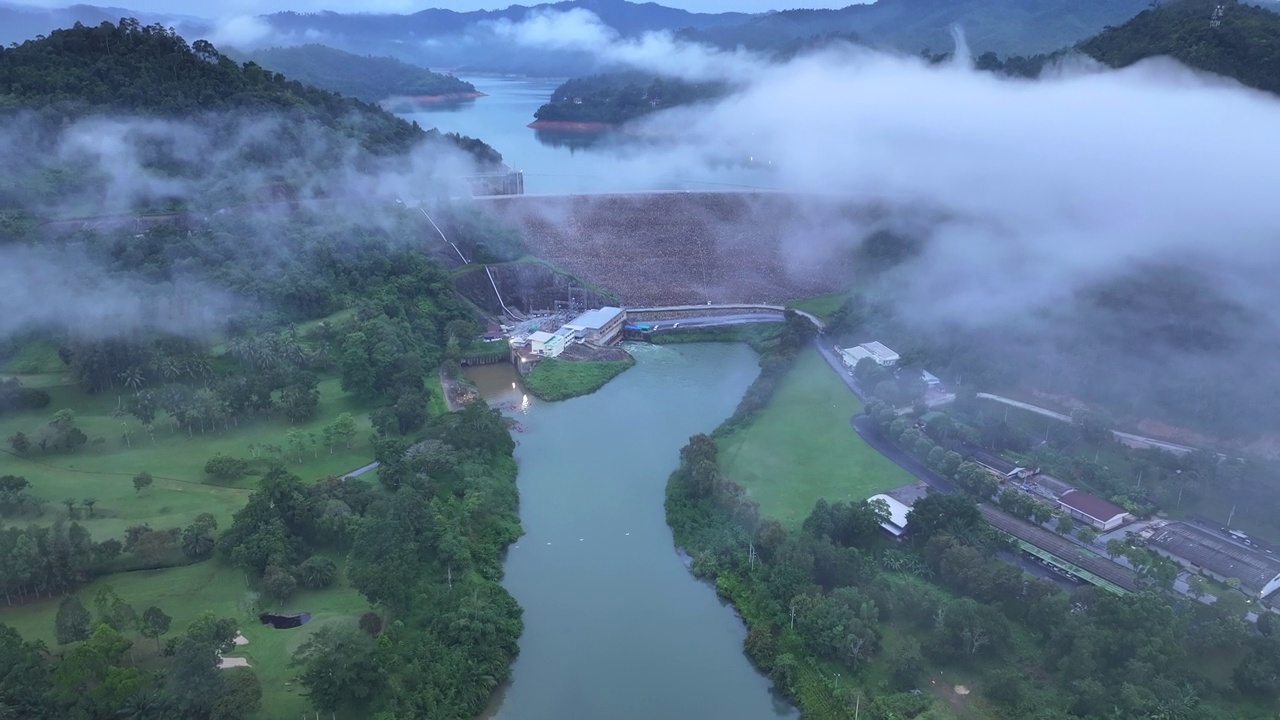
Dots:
{"x": 176, "y": 459}
{"x": 822, "y": 306}
{"x": 180, "y": 493}
{"x": 184, "y": 593}
{"x": 554, "y": 379}
{"x": 801, "y": 447}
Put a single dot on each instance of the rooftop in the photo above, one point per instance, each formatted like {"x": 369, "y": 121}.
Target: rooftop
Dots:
{"x": 1217, "y": 555}
{"x": 540, "y": 336}
{"x": 897, "y": 513}
{"x": 882, "y": 353}
{"x": 1091, "y": 505}
{"x": 595, "y": 319}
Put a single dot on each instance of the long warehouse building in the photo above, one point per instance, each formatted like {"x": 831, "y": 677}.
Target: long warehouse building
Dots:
{"x": 1218, "y": 557}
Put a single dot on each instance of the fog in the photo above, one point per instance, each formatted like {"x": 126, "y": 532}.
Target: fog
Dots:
{"x": 88, "y": 178}
{"x": 1041, "y": 194}
{"x": 1056, "y": 182}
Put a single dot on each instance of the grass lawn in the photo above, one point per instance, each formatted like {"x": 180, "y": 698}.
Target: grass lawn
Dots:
{"x": 823, "y": 306}
{"x": 184, "y": 593}
{"x": 801, "y": 447}
{"x": 556, "y": 379}
{"x": 181, "y": 490}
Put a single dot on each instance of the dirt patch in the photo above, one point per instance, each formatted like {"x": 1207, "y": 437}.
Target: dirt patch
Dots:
{"x": 679, "y": 248}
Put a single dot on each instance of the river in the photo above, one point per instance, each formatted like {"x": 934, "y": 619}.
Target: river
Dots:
{"x": 615, "y": 625}
{"x": 568, "y": 162}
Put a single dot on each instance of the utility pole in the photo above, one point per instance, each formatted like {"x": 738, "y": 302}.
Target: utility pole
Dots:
{"x": 793, "y": 616}
{"x": 857, "y": 706}
{"x": 751, "y": 555}
{"x": 1232, "y": 515}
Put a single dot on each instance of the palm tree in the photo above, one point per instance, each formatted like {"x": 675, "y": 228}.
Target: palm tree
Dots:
{"x": 197, "y": 541}
{"x": 132, "y": 377}
{"x": 89, "y": 502}
{"x": 71, "y": 507}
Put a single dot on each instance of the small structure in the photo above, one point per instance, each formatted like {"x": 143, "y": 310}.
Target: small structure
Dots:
{"x": 929, "y": 378}
{"x": 1092, "y": 509}
{"x": 599, "y": 326}
{"x": 493, "y": 332}
{"x": 874, "y": 350}
{"x": 1218, "y": 557}
{"x": 284, "y": 621}
{"x": 547, "y": 344}
{"x": 896, "y": 525}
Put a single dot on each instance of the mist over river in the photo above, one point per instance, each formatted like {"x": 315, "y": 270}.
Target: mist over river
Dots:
{"x": 615, "y": 625}
{"x": 556, "y": 162}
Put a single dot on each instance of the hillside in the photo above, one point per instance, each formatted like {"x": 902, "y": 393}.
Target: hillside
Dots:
{"x": 1243, "y": 44}
{"x": 1001, "y": 26}
{"x": 211, "y": 124}
{"x": 364, "y": 77}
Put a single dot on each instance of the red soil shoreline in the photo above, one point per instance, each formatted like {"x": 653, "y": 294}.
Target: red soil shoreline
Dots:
{"x": 570, "y": 126}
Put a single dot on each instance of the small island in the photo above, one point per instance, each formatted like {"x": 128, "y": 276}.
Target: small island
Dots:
{"x": 601, "y": 102}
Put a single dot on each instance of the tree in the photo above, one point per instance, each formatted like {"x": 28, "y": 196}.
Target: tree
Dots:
{"x": 371, "y": 622}
{"x": 193, "y": 683}
{"x": 89, "y": 502}
{"x": 278, "y": 583}
{"x": 317, "y": 572}
{"x": 20, "y": 443}
{"x": 225, "y": 467}
{"x": 152, "y": 546}
{"x": 71, "y": 507}
{"x": 72, "y": 621}
{"x": 154, "y": 624}
{"x": 344, "y": 428}
{"x": 142, "y": 481}
{"x": 1087, "y": 534}
{"x": 240, "y": 696}
{"x": 954, "y": 513}
{"x": 1065, "y": 524}
{"x": 340, "y": 668}
{"x": 197, "y": 540}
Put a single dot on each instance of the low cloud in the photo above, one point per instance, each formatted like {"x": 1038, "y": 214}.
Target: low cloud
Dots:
{"x": 583, "y": 31}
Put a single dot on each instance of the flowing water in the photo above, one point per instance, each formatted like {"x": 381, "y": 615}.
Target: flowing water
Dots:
{"x": 615, "y": 625}
{"x": 573, "y": 162}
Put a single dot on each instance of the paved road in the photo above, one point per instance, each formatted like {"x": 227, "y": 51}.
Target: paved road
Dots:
{"x": 866, "y": 430}
{"x": 1134, "y": 441}
{"x": 705, "y": 321}
{"x": 360, "y": 471}
{"x": 749, "y": 308}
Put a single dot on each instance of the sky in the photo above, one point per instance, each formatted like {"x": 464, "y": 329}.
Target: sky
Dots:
{"x": 222, "y": 8}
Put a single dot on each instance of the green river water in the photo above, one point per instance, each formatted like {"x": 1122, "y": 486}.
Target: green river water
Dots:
{"x": 616, "y": 627}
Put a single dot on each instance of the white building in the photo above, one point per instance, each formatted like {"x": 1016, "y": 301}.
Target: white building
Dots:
{"x": 547, "y": 344}
{"x": 598, "y": 326}
{"x": 874, "y": 350}
{"x": 896, "y": 525}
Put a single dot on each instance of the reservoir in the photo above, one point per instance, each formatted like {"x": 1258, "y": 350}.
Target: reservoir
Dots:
{"x": 615, "y": 625}
{"x": 572, "y": 162}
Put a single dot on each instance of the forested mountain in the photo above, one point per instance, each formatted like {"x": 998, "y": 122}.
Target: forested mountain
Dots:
{"x": 1001, "y": 26}
{"x": 616, "y": 98}
{"x": 1241, "y": 41}
{"x": 365, "y": 77}
{"x": 228, "y": 122}
{"x": 210, "y": 360}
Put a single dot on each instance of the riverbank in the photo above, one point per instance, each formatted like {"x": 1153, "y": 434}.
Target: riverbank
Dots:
{"x": 569, "y": 126}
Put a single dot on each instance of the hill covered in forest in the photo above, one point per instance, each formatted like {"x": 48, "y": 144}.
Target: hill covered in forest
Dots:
{"x": 1239, "y": 41}
{"x": 221, "y": 133}
{"x": 368, "y": 78}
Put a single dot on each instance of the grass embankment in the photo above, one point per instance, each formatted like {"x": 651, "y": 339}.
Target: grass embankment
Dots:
{"x": 184, "y": 593}
{"x": 821, "y": 306}
{"x": 754, "y": 334}
{"x": 801, "y": 447}
{"x": 555, "y": 379}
